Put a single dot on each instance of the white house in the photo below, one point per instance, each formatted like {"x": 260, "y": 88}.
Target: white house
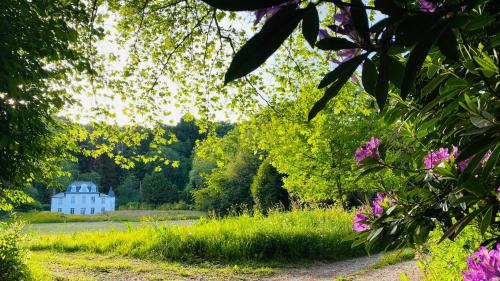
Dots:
{"x": 82, "y": 198}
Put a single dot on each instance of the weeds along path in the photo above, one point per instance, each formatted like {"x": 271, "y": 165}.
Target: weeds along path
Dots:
{"x": 86, "y": 266}
{"x": 346, "y": 270}
{"x": 351, "y": 270}
{"x": 326, "y": 271}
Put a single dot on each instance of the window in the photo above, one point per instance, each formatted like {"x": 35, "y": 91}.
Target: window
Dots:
{"x": 72, "y": 199}
{"x": 72, "y": 211}
{"x": 92, "y": 211}
{"x": 93, "y": 199}
{"x": 103, "y": 200}
{"x": 59, "y": 201}
{"x": 102, "y": 210}
{"x": 82, "y": 211}
{"x": 73, "y": 188}
{"x": 59, "y": 210}
{"x": 83, "y": 199}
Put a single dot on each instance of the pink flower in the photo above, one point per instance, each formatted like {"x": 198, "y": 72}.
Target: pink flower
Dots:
{"x": 483, "y": 265}
{"x": 427, "y": 6}
{"x": 360, "y": 218}
{"x": 269, "y": 11}
{"x": 486, "y": 157}
{"x": 369, "y": 149}
{"x": 435, "y": 158}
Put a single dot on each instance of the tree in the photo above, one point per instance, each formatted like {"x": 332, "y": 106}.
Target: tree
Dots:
{"x": 129, "y": 191}
{"x": 158, "y": 189}
{"x": 267, "y": 189}
{"x": 432, "y": 67}
{"x": 40, "y": 50}
{"x": 228, "y": 185}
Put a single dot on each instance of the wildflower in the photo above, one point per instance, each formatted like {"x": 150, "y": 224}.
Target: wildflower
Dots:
{"x": 369, "y": 149}
{"x": 483, "y": 265}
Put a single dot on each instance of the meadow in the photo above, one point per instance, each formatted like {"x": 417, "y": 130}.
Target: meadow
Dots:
{"x": 120, "y": 216}
{"x": 315, "y": 234}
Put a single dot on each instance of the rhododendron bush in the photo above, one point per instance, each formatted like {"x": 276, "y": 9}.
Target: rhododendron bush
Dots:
{"x": 432, "y": 69}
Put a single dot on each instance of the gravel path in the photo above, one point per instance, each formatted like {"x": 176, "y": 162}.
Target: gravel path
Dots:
{"x": 329, "y": 271}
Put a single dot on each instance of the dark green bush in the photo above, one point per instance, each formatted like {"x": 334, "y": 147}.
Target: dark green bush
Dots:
{"x": 267, "y": 189}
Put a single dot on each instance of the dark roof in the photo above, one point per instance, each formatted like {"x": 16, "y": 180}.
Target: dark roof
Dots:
{"x": 79, "y": 187}
{"x": 111, "y": 192}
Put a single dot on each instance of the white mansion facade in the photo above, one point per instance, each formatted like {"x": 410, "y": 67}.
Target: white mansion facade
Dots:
{"x": 82, "y": 198}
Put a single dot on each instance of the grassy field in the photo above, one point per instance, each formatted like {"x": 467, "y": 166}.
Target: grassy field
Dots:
{"x": 75, "y": 227}
{"x": 298, "y": 235}
{"x": 124, "y": 216}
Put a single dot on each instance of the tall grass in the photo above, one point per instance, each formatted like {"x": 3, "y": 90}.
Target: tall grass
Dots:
{"x": 317, "y": 234}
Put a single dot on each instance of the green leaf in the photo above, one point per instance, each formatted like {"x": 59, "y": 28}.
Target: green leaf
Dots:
{"x": 369, "y": 76}
{"x": 491, "y": 163}
{"x": 396, "y": 71}
{"x": 486, "y": 219}
{"x": 387, "y": 7}
{"x": 310, "y": 24}
{"x": 374, "y": 234}
{"x": 335, "y": 43}
{"x": 360, "y": 19}
{"x": 263, "y": 44}
{"x": 382, "y": 86}
{"x": 243, "y": 5}
{"x": 339, "y": 77}
{"x": 447, "y": 44}
{"x": 457, "y": 227}
{"x": 417, "y": 57}
{"x": 369, "y": 170}
{"x": 433, "y": 84}
{"x": 341, "y": 70}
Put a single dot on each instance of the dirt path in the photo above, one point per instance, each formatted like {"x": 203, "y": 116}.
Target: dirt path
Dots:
{"x": 348, "y": 269}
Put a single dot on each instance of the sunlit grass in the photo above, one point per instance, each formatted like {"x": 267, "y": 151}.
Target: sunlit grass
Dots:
{"x": 317, "y": 234}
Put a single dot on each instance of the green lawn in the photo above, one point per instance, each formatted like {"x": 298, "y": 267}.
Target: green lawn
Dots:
{"x": 126, "y": 215}
{"x": 75, "y": 227}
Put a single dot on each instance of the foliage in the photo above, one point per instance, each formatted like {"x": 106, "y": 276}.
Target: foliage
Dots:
{"x": 437, "y": 62}
{"x": 128, "y": 191}
{"x": 13, "y": 254}
{"x": 40, "y": 50}
{"x": 446, "y": 260}
{"x": 267, "y": 189}
{"x": 158, "y": 189}
{"x": 227, "y": 186}
{"x": 316, "y": 234}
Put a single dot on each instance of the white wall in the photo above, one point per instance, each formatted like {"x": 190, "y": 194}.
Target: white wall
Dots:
{"x": 82, "y": 201}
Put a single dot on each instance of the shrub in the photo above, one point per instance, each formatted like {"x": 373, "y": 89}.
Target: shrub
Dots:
{"x": 13, "y": 255}
{"x": 446, "y": 260}
{"x": 267, "y": 189}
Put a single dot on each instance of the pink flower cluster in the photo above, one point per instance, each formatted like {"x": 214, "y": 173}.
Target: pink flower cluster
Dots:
{"x": 463, "y": 165}
{"x": 483, "y": 265}
{"x": 379, "y": 205}
{"x": 369, "y": 149}
{"x": 434, "y": 158}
